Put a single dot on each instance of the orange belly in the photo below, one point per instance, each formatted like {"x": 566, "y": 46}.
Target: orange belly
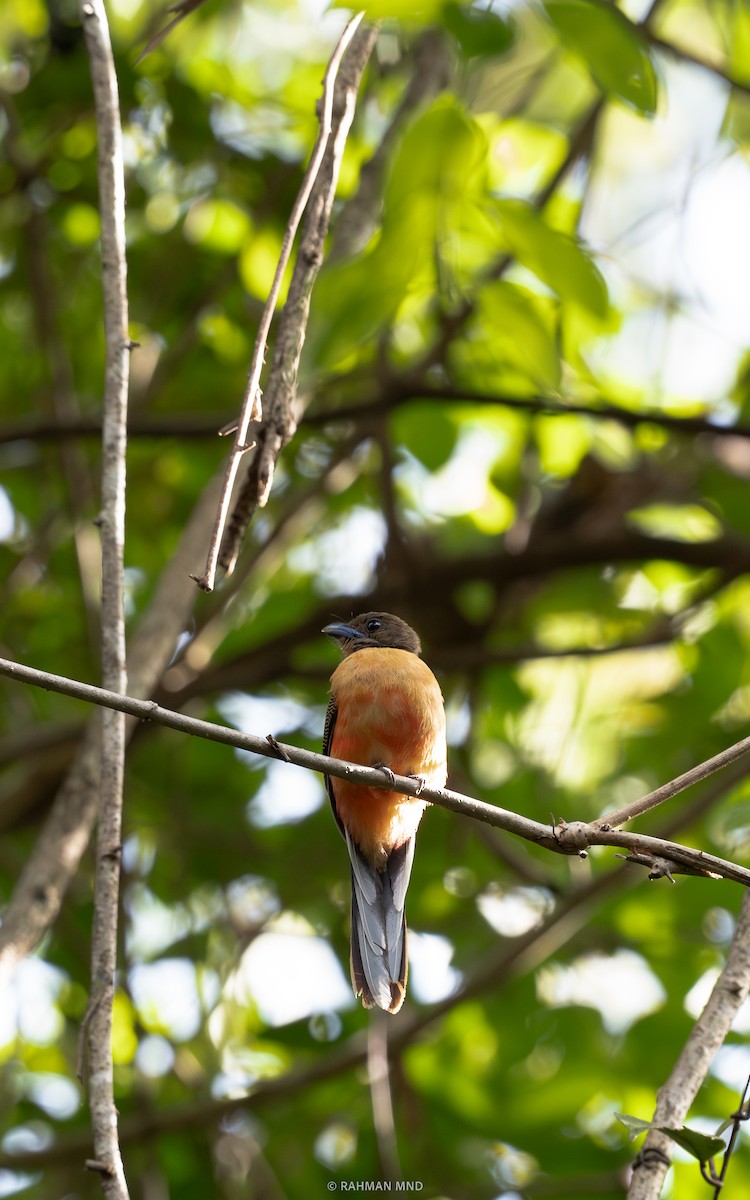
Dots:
{"x": 390, "y": 710}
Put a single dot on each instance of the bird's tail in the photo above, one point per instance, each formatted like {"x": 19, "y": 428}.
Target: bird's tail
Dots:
{"x": 378, "y": 936}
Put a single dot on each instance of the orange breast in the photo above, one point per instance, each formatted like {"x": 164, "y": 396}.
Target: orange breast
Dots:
{"x": 390, "y": 710}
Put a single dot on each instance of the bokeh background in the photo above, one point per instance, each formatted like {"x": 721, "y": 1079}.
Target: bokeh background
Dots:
{"x": 524, "y": 428}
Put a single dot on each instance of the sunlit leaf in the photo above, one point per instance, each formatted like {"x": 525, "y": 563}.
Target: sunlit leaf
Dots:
{"x": 613, "y": 51}
{"x": 480, "y": 32}
{"x": 519, "y": 333}
{"x": 634, "y": 1125}
{"x": 557, "y": 259}
{"x": 700, "y": 1145}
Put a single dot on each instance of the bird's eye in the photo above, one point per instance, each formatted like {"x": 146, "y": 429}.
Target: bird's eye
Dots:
{"x": 373, "y": 624}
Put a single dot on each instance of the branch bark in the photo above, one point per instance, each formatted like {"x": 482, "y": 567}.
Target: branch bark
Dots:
{"x": 690, "y": 1070}
{"x": 111, "y": 175}
{"x": 251, "y": 406}
{"x": 573, "y": 838}
{"x": 279, "y": 422}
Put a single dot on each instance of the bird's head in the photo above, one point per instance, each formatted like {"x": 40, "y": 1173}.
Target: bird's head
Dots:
{"x": 373, "y": 629}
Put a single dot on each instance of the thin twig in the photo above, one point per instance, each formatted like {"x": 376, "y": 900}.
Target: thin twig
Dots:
{"x": 738, "y": 1116}
{"x": 279, "y": 422}
{"x": 379, "y": 1077}
{"x": 681, "y": 54}
{"x": 690, "y": 1070}
{"x": 404, "y": 390}
{"x": 251, "y": 405}
{"x": 401, "y": 390}
{"x": 181, "y": 10}
{"x": 111, "y": 174}
{"x": 667, "y": 790}
{"x": 358, "y": 218}
{"x": 564, "y": 838}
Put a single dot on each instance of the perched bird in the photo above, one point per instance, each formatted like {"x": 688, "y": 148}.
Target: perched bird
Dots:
{"x": 386, "y": 710}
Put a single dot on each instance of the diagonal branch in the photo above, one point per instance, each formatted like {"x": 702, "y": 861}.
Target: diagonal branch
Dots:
{"x": 279, "y": 422}
{"x": 692, "y": 1066}
{"x": 251, "y": 405}
{"x": 111, "y": 175}
{"x": 497, "y": 969}
{"x": 619, "y": 816}
{"x": 573, "y": 838}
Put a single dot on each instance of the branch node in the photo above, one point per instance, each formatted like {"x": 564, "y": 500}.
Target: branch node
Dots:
{"x": 651, "y": 1156}
{"x": 573, "y": 836}
{"x": 278, "y": 748}
{"x": 101, "y": 1168}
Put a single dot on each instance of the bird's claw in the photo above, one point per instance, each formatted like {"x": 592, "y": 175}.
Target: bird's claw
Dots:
{"x": 386, "y": 771}
{"x": 419, "y": 780}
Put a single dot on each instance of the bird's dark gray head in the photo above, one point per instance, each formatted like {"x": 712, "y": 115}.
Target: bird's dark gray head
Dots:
{"x": 373, "y": 629}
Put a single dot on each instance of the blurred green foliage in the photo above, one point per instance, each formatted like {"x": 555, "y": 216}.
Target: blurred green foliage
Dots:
{"x": 535, "y": 236}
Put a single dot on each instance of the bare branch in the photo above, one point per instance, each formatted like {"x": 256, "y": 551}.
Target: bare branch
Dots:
{"x": 402, "y": 390}
{"x": 573, "y": 838}
{"x": 691, "y": 1068}
{"x": 667, "y": 790}
{"x": 54, "y": 861}
{"x": 181, "y": 9}
{"x": 397, "y": 392}
{"x": 379, "y": 1078}
{"x": 499, "y": 967}
{"x": 111, "y": 174}
{"x": 251, "y": 406}
{"x": 357, "y": 220}
{"x": 279, "y": 418}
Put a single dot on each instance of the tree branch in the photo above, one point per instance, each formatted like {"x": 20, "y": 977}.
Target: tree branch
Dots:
{"x": 399, "y": 391}
{"x": 404, "y": 390}
{"x": 573, "y": 838}
{"x": 111, "y": 174}
{"x": 279, "y": 422}
{"x": 667, "y": 790}
{"x": 687, "y": 56}
{"x": 251, "y": 405}
{"x": 690, "y": 1070}
{"x": 54, "y": 861}
{"x": 500, "y": 966}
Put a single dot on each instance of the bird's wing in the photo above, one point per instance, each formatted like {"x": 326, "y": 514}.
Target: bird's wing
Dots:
{"x": 331, "y": 714}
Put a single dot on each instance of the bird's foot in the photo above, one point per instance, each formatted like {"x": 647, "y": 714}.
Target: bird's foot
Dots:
{"x": 386, "y": 771}
{"x": 419, "y": 780}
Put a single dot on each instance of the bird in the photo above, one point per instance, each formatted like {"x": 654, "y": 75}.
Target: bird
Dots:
{"x": 386, "y": 710}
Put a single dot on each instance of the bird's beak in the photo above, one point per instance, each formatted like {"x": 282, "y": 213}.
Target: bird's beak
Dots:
{"x": 342, "y": 631}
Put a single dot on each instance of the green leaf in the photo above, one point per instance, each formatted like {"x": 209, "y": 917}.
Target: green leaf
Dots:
{"x": 558, "y": 260}
{"x": 611, "y": 48}
{"x": 519, "y": 334}
{"x": 634, "y": 1125}
{"x": 685, "y": 522}
{"x": 701, "y": 1145}
{"x": 440, "y": 153}
{"x": 427, "y": 431}
{"x": 480, "y": 33}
